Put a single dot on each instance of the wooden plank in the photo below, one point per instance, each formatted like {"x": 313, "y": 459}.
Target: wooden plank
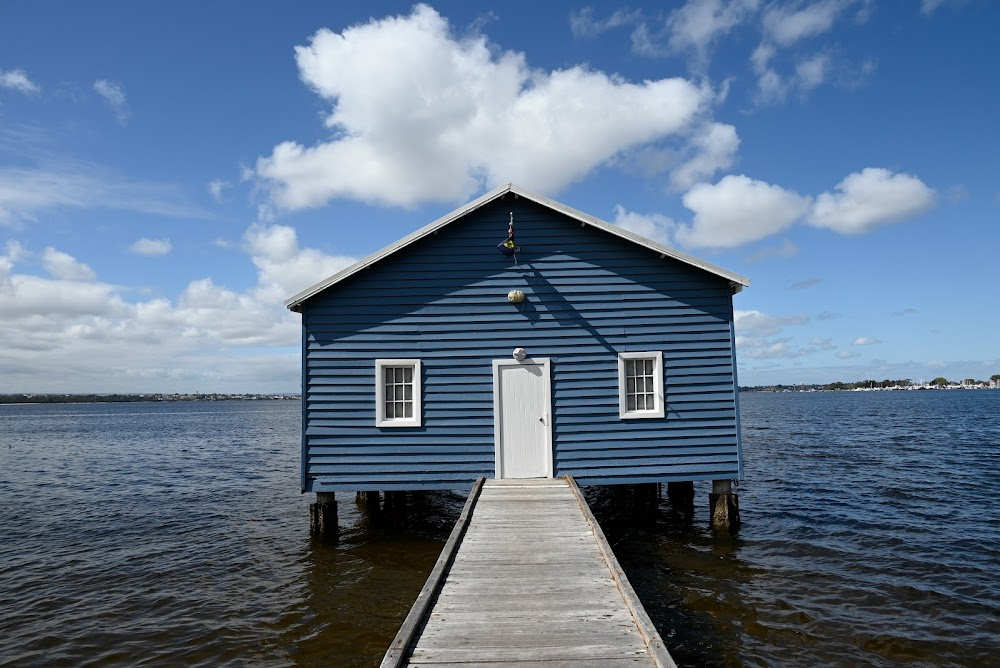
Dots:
{"x": 530, "y": 585}
{"x": 397, "y": 654}
{"x": 658, "y": 651}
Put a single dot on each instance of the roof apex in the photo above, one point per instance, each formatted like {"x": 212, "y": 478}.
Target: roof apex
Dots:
{"x": 737, "y": 281}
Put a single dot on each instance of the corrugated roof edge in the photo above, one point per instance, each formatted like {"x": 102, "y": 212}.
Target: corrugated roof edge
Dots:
{"x": 737, "y": 281}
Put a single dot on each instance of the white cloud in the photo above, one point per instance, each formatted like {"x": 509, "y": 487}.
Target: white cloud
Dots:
{"x": 284, "y": 268}
{"x": 822, "y": 344}
{"x": 700, "y": 23}
{"x": 65, "y": 267}
{"x": 74, "y": 333}
{"x": 652, "y": 226}
{"x": 583, "y": 23}
{"x": 773, "y": 88}
{"x": 407, "y": 94}
{"x": 114, "y": 94}
{"x": 928, "y": 7}
{"x": 812, "y": 72}
{"x": 738, "y": 210}
{"x": 790, "y": 23}
{"x": 26, "y": 192}
{"x": 712, "y": 150}
{"x": 759, "y": 324}
{"x": 757, "y": 335}
{"x": 872, "y": 197}
{"x": 848, "y": 354}
{"x": 151, "y": 247}
{"x": 217, "y": 187}
{"x": 18, "y": 80}
{"x": 865, "y": 341}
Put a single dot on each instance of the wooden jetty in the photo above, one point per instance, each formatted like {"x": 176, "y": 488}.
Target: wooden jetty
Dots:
{"x": 527, "y": 578}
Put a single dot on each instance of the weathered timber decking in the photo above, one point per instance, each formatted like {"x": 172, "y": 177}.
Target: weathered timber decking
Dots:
{"x": 527, "y": 579}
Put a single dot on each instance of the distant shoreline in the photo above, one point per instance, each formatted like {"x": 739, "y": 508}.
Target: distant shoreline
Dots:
{"x": 26, "y": 398}
{"x": 823, "y": 388}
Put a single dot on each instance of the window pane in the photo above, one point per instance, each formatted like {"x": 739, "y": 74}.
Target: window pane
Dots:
{"x": 408, "y": 409}
{"x": 408, "y": 392}
{"x": 408, "y": 374}
{"x": 388, "y": 374}
{"x": 400, "y": 412}
{"x": 397, "y": 374}
{"x": 389, "y": 411}
{"x": 630, "y": 402}
{"x": 649, "y": 367}
{"x": 630, "y": 386}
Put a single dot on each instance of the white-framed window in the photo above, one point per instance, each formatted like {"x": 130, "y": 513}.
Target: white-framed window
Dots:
{"x": 397, "y": 393}
{"x": 640, "y": 385}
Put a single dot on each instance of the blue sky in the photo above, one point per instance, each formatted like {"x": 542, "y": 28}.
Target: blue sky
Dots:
{"x": 171, "y": 172}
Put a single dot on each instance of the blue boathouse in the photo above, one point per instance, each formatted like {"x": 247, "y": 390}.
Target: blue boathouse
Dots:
{"x": 585, "y": 350}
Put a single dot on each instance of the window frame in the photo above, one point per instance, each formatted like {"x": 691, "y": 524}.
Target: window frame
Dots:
{"x": 380, "y": 419}
{"x": 658, "y": 410}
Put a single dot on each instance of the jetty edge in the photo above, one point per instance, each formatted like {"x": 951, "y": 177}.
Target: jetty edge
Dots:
{"x": 527, "y": 575}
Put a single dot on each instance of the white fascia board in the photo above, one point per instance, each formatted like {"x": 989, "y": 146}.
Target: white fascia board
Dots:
{"x": 737, "y": 281}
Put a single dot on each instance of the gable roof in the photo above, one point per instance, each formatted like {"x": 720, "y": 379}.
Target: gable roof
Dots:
{"x": 737, "y": 281}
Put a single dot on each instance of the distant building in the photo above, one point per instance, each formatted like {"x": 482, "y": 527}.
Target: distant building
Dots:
{"x": 589, "y": 351}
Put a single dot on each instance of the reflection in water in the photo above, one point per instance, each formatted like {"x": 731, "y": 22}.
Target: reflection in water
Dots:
{"x": 360, "y": 587}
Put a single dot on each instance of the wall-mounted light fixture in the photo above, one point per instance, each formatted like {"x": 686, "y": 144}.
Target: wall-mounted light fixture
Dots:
{"x": 515, "y": 296}
{"x": 520, "y": 354}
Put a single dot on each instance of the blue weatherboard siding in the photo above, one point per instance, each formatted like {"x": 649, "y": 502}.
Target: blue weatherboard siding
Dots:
{"x": 589, "y": 296}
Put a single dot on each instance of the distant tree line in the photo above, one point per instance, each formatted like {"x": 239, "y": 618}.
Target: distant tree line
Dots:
{"x": 125, "y": 398}
{"x": 71, "y": 398}
{"x": 940, "y": 381}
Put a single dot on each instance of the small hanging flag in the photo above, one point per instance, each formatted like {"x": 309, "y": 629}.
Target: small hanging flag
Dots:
{"x": 509, "y": 247}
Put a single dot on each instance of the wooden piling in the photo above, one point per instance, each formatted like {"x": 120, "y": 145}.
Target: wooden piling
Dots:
{"x": 323, "y": 515}
{"x": 724, "y": 506}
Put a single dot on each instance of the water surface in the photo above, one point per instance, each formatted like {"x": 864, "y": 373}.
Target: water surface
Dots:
{"x": 174, "y": 534}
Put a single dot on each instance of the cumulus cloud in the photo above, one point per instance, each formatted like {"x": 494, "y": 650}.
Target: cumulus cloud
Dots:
{"x": 872, "y": 197}
{"x": 64, "y": 266}
{"x": 652, "y": 226}
{"x": 757, "y": 335}
{"x": 151, "y": 247}
{"x": 738, "y": 210}
{"x": 848, "y": 354}
{"x": 284, "y": 268}
{"x": 406, "y": 93}
{"x": 114, "y": 94}
{"x": 711, "y": 150}
{"x": 210, "y": 337}
{"x": 18, "y": 80}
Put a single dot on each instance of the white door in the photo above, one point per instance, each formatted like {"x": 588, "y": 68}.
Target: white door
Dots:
{"x": 523, "y": 426}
